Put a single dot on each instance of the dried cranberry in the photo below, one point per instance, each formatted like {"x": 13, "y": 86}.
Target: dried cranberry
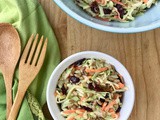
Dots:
{"x": 121, "y": 98}
{"x": 60, "y": 106}
{"x": 74, "y": 79}
{"x": 102, "y": 100}
{"x": 120, "y": 9}
{"x": 79, "y": 62}
{"x": 107, "y": 96}
{"x": 98, "y": 88}
{"x": 107, "y": 11}
{"x": 90, "y": 86}
{"x": 118, "y": 110}
{"x": 87, "y": 108}
{"x": 64, "y": 90}
{"x": 94, "y": 7}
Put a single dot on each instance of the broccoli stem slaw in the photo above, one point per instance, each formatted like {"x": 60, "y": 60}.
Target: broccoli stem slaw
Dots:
{"x": 90, "y": 89}
{"x": 115, "y": 10}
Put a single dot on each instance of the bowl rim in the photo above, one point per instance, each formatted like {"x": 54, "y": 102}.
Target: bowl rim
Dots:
{"x": 82, "y": 20}
{"x": 49, "y": 104}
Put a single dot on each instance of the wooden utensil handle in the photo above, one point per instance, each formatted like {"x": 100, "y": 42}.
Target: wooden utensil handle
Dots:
{"x": 8, "y": 85}
{"x": 17, "y": 103}
{"x": 8, "y": 99}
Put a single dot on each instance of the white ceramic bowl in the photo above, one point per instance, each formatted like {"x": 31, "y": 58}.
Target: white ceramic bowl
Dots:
{"x": 149, "y": 20}
{"x": 129, "y": 95}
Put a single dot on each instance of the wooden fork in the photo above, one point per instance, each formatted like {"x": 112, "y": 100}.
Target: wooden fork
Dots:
{"x": 30, "y": 64}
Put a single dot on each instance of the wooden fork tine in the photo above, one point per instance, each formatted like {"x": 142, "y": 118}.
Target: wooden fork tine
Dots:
{"x": 43, "y": 53}
{"x": 37, "y": 51}
{"x": 32, "y": 49}
{"x": 26, "y": 49}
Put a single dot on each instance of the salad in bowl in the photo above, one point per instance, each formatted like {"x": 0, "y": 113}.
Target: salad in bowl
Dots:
{"x": 115, "y": 10}
{"x": 90, "y": 86}
{"x": 120, "y": 16}
{"x": 90, "y": 89}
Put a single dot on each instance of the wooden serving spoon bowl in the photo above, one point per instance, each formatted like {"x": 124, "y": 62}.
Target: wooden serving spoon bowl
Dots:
{"x": 10, "y": 48}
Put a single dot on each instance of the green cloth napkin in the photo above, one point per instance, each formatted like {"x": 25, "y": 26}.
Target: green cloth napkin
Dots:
{"x": 28, "y": 17}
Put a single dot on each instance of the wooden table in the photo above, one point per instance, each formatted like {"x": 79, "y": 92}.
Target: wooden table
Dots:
{"x": 140, "y": 53}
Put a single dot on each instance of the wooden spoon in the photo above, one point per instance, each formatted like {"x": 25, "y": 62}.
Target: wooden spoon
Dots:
{"x": 10, "y": 48}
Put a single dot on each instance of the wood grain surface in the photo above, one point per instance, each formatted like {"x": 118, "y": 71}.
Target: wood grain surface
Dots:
{"x": 140, "y": 53}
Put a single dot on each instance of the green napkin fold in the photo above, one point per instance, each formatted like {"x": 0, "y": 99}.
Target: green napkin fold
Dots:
{"x": 28, "y": 17}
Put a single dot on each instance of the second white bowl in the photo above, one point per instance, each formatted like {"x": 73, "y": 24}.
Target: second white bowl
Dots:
{"x": 129, "y": 95}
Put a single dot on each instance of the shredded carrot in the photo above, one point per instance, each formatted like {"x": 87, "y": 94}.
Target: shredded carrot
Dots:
{"x": 103, "y": 106}
{"x": 116, "y": 96}
{"x": 145, "y": 1}
{"x": 111, "y": 110}
{"x": 81, "y": 115}
{"x": 121, "y": 85}
{"x": 104, "y": 19}
{"x": 117, "y": 2}
{"x": 55, "y": 94}
{"x": 83, "y": 98}
{"x": 116, "y": 87}
{"x": 72, "y": 118}
{"x": 95, "y": 70}
{"x": 118, "y": 15}
{"x": 109, "y": 105}
{"x": 115, "y": 115}
{"x": 69, "y": 111}
{"x": 89, "y": 77}
{"x": 81, "y": 110}
{"x": 73, "y": 111}
{"x": 102, "y": 2}
{"x": 99, "y": 1}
